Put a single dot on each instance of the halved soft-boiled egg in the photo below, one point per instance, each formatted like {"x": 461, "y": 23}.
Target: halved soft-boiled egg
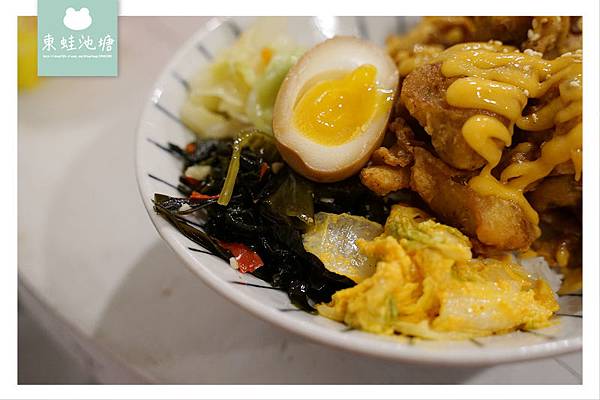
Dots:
{"x": 332, "y": 109}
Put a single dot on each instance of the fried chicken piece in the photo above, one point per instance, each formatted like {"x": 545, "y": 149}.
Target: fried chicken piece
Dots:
{"x": 388, "y": 156}
{"x": 424, "y": 95}
{"x": 383, "y": 179}
{"x": 508, "y": 30}
{"x": 554, "y": 192}
{"x": 388, "y": 168}
{"x": 448, "y": 31}
{"x": 553, "y": 36}
{"x": 491, "y": 220}
{"x": 408, "y": 59}
{"x": 444, "y": 31}
{"x": 433, "y": 34}
{"x": 401, "y": 153}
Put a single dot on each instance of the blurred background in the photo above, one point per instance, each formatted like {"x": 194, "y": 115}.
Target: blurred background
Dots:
{"x": 102, "y": 299}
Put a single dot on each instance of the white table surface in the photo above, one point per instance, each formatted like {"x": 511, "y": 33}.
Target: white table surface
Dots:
{"x": 96, "y": 274}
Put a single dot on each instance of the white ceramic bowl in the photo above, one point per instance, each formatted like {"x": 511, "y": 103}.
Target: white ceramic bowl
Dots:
{"x": 160, "y": 123}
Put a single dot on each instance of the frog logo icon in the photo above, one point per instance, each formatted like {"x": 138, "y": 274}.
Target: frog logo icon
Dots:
{"x": 77, "y": 20}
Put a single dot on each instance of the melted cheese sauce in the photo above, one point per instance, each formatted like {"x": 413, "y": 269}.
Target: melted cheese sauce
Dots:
{"x": 500, "y": 79}
{"x": 555, "y": 151}
{"x": 473, "y": 92}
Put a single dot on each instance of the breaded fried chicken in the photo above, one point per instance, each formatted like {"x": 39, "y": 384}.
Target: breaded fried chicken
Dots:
{"x": 493, "y": 221}
{"x": 424, "y": 95}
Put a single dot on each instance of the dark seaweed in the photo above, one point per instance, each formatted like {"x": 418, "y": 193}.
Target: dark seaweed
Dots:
{"x": 190, "y": 229}
{"x": 268, "y": 212}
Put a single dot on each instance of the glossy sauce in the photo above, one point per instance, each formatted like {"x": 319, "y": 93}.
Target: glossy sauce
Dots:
{"x": 501, "y": 79}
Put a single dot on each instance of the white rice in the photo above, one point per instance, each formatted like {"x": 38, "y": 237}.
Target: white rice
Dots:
{"x": 538, "y": 268}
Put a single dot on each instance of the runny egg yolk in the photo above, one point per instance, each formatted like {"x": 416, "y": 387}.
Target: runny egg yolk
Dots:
{"x": 335, "y": 111}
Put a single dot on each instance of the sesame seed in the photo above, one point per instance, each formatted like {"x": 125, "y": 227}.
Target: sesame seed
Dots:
{"x": 533, "y": 53}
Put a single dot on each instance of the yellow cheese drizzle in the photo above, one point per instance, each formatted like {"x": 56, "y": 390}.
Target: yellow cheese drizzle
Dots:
{"x": 501, "y": 79}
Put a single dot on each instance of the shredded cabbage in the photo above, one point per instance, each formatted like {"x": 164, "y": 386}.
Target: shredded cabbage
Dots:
{"x": 238, "y": 90}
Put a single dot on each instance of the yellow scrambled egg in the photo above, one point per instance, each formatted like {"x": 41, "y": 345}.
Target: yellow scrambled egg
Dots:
{"x": 427, "y": 284}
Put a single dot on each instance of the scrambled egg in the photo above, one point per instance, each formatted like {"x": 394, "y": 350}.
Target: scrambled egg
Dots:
{"x": 427, "y": 284}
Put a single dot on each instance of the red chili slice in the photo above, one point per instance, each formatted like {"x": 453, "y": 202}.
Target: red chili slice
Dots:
{"x": 248, "y": 260}
{"x": 201, "y": 196}
{"x": 190, "y": 148}
{"x": 264, "y": 167}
